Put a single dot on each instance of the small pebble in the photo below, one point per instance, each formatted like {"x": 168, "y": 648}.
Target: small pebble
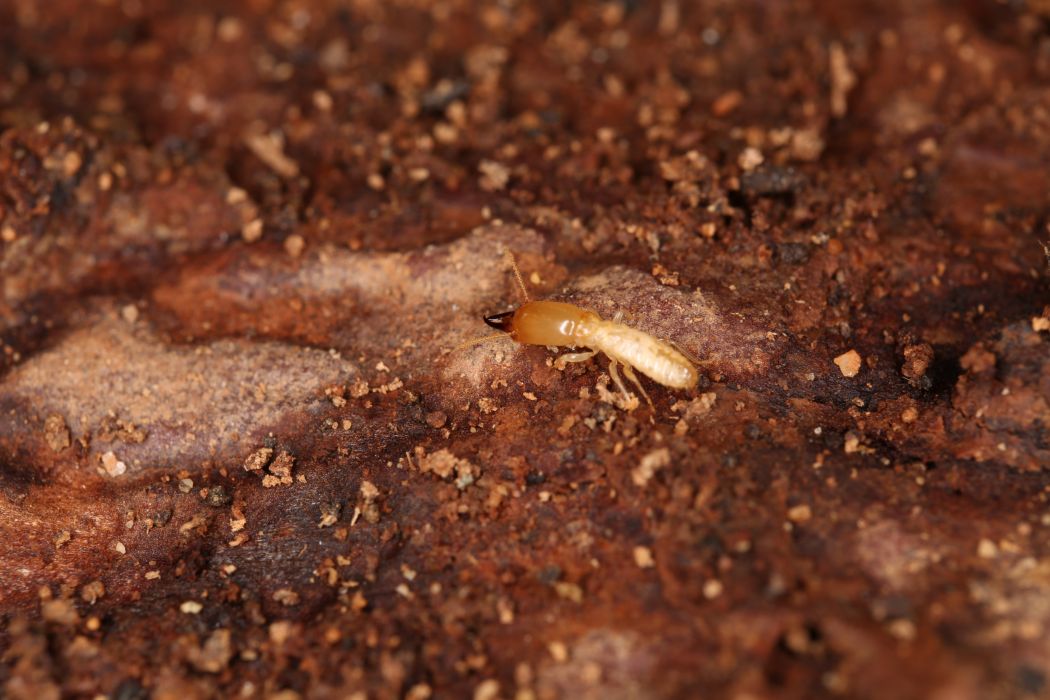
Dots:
{"x": 643, "y": 557}
{"x": 849, "y": 363}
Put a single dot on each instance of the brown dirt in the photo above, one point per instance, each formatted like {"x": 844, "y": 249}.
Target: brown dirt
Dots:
{"x": 238, "y": 458}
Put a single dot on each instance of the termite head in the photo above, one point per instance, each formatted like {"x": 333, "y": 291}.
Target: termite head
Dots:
{"x": 546, "y": 323}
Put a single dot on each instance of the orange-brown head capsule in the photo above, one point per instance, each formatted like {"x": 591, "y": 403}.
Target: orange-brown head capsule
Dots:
{"x": 552, "y": 323}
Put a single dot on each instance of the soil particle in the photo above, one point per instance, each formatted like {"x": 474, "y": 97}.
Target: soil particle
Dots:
{"x": 56, "y": 433}
{"x": 214, "y": 654}
{"x": 849, "y": 363}
{"x": 650, "y": 464}
{"x": 280, "y": 470}
{"x": 190, "y": 607}
{"x": 112, "y": 465}
{"x": 60, "y": 611}
{"x": 217, "y": 496}
{"x": 643, "y": 557}
{"x": 90, "y": 593}
{"x": 258, "y": 459}
{"x": 917, "y": 360}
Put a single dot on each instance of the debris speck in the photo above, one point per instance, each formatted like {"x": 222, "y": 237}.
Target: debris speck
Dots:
{"x": 420, "y": 691}
{"x": 494, "y": 176}
{"x": 130, "y": 313}
{"x": 558, "y": 651}
{"x": 252, "y": 231}
{"x": 726, "y": 103}
{"x": 281, "y": 631}
{"x": 217, "y": 496}
{"x": 258, "y": 459}
{"x": 190, "y": 607}
{"x": 505, "y": 610}
{"x": 569, "y": 591}
{"x": 986, "y": 549}
{"x": 237, "y": 519}
{"x": 113, "y": 429}
{"x": 56, "y": 434}
{"x": 445, "y": 464}
{"x": 487, "y": 690}
{"x": 977, "y": 360}
{"x": 280, "y": 471}
{"x": 650, "y": 464}
{"x": 215, "y": 654}
{"x": 712, "y": 589}
{"x": 369, "y": 509}
{"x": 917, "y": 359}
{"x": 750, "y": 158}
{"x": 393, "y": 385}
{"x": 843, "y": 79}
{"x": 902, "y": 629}
{"x": 197, "y": 521}
{"x": 91, "y": 592}
{"x": 112, "y": 465}
{"x": 330, "y": 514}
{"x": 643, "y": 557}
{"x": 269, "y": 148}
{"x": 369, "y": 491}
{"x": 286, "y": 596}
{"x": 849, "y": 363}
{"x": 294, "y": 245}
{"x": 851, "y": 443}
{"x": 60, "y": 611}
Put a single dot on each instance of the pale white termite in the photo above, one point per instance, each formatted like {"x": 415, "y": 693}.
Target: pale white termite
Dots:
{"x": 558, "y": 324}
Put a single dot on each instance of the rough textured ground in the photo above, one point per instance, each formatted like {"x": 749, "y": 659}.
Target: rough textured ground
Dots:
{"x": 239, "y": 457}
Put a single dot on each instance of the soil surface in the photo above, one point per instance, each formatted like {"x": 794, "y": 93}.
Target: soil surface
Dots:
{"x": 241, "y": 454}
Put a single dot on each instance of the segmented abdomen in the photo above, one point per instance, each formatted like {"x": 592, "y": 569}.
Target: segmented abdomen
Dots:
{"x": 650, "y": 356}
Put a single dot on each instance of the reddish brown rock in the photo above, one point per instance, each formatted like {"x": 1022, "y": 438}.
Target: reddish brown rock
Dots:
{"x": 243, "y": 248}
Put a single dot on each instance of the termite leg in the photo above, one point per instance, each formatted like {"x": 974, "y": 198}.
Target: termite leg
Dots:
{"x": 616, "y": 378}
{"x": 629, "y": 371}
{"x": 517, "y": 274}
{"x": 565, "y": 359}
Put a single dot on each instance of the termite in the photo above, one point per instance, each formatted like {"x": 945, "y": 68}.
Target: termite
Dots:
{"x": 559, "y": 324}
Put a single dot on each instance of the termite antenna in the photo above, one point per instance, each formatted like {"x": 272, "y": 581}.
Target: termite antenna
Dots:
{"x": 509, "y": 257}
{"x": 478, "y": 341}
{"x": 688, "y": 355}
